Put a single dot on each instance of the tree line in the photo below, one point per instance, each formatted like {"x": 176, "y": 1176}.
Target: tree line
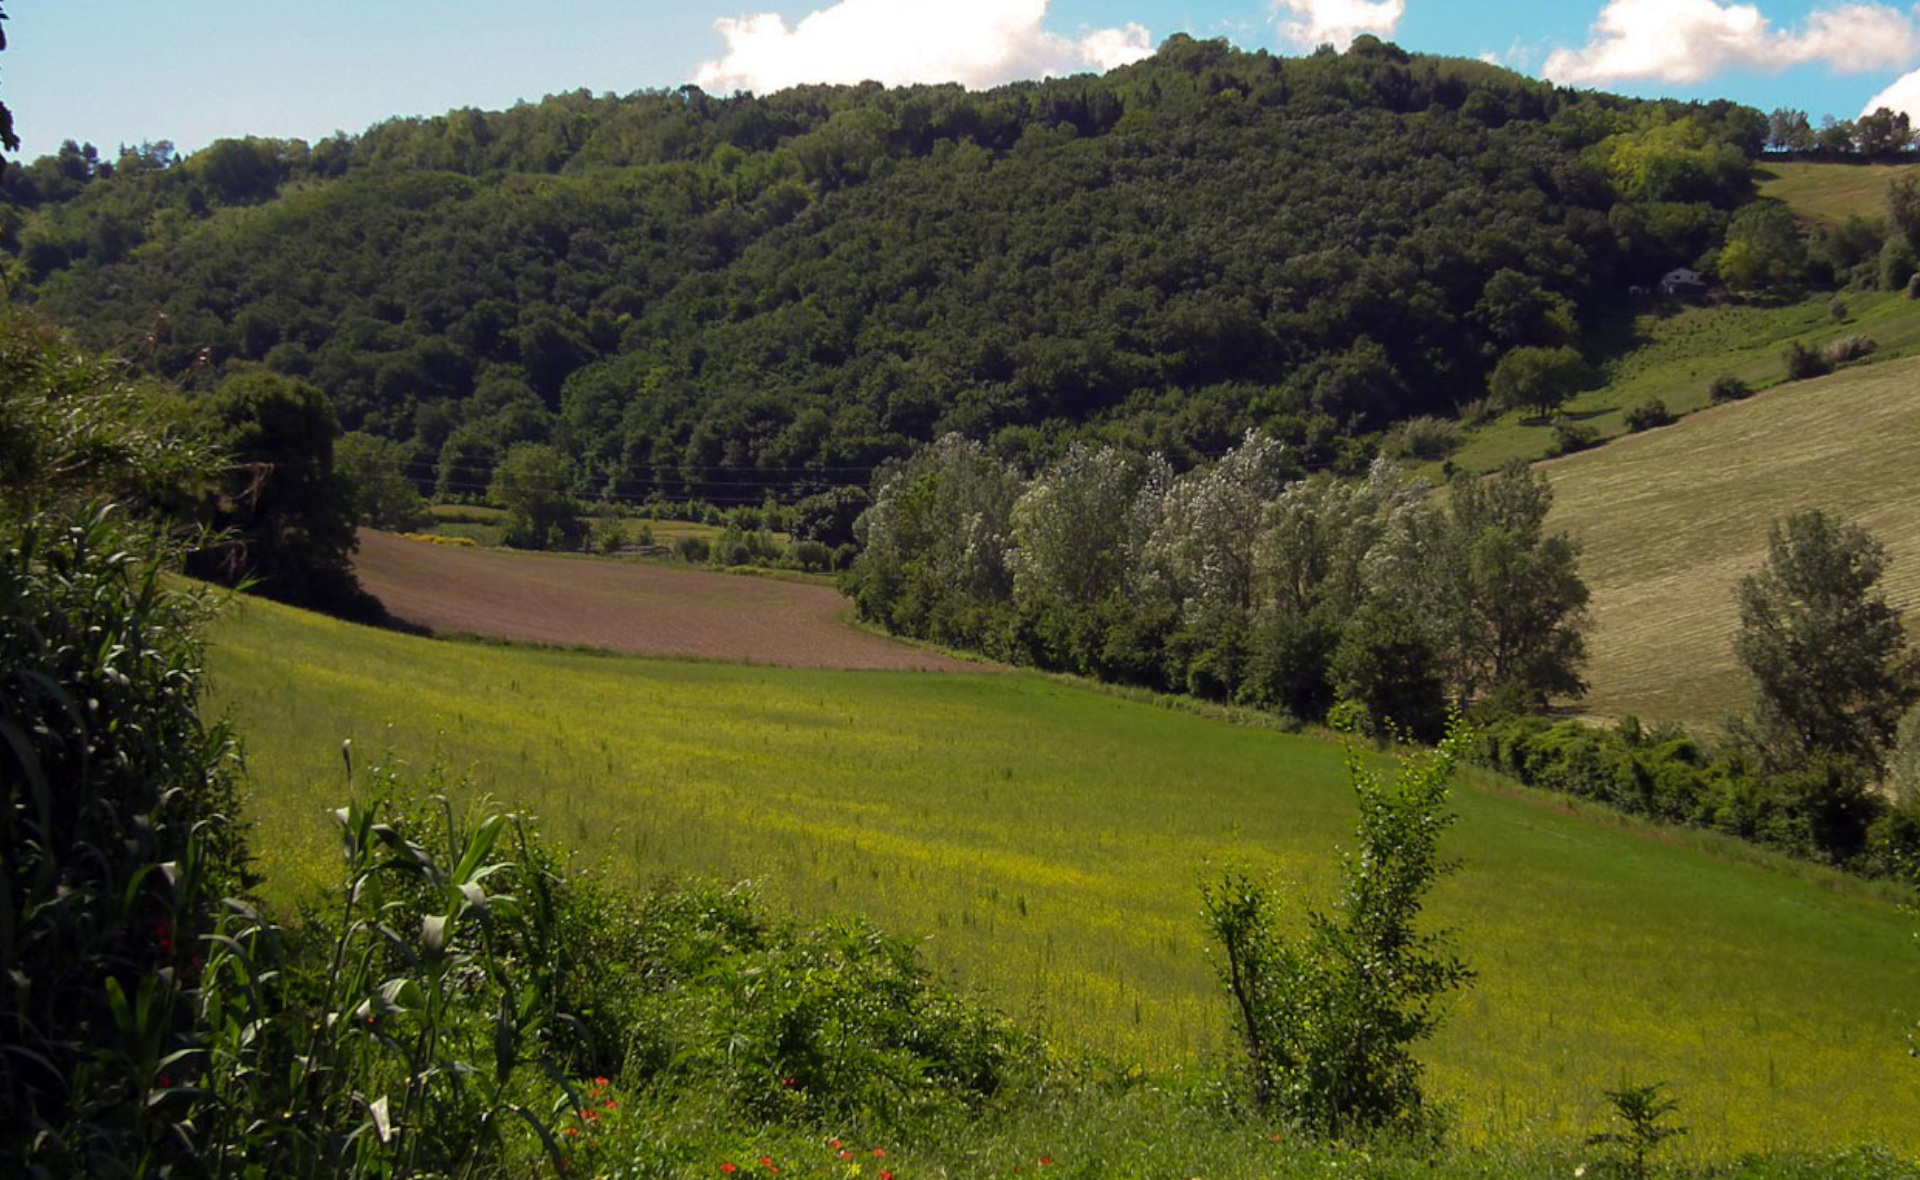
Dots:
{"x": 1239, "y": 581}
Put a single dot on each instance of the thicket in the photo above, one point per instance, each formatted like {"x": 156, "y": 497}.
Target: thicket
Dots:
{"x": 1240, "y": 581}
{"x": 714, "y": 297}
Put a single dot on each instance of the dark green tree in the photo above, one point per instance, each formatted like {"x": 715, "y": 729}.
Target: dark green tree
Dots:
{"x": 1385, "y": 662}
{"x": 8, "y": 140}
{"x": 1542, "y": 379}
{"x": 1832, "y": 671}
{"x": 534, "y": 483}
{"x": 376, "y": 468}
{"x": 286, "y": 513}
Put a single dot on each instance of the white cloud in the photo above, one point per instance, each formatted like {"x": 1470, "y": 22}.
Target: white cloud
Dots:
{"x": 1686, "y": 41}
{"x": 973, "y": 42}
{"x": 1903, "y": 95}
{"x": 1337, "y": 22}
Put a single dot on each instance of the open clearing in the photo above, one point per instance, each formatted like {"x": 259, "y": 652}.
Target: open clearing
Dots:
{"x": 1830, "y": 193}
{"x": 626, "y": 607}
{"x": 1673, "y": 518}
{"x": 1049, "y": 843}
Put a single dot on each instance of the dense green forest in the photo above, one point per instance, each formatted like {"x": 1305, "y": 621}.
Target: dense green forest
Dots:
{"x": 731, "y": 297}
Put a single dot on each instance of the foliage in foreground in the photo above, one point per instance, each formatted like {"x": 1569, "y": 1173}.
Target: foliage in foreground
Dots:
{"x": 1329, "y": 1017}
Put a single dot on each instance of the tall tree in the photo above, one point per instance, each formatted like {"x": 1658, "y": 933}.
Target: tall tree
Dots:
{"x": 8, "y": 140}
{"x": 1540, "y": 378}
{"x": 1831, "y": 668}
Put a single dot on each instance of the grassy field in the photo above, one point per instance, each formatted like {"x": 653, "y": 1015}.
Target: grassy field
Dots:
{"x": 1673, "y": 518}
{"x": 1049, "y": 841}
{"x": 1830, "y": 193}
{"x": 1675, "y": 357}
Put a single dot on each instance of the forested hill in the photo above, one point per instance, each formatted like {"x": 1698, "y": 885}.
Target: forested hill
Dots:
{"x": 691, "y": 293}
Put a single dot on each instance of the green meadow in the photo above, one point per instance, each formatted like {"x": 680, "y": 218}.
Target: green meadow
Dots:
{"x": 1830, "y": 193}
{"x": 1675, "y": 356}
{"x": 1048, "y": 843}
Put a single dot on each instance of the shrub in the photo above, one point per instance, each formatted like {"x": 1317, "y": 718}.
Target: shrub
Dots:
{"x": 1648, "y": 414}
{"x": 1425, "y": 437}
{"x": 1803, "y": 362}
{"x": 1728, "y": 388}
{"x": 1480, "y": 409}
{"x": 1837, "y": 309}
{"x": 811, "y": 556}
{"x": 1570, "y": 436}
{"x": 1850, "y": 348}
{"x": 693, "y": 549}
{"x": 1329, "y": 1017}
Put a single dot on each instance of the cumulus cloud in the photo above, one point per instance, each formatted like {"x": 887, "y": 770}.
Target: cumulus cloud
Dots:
{"x": 896, "y": 42}
{"x": 1311, "y": 23}
{"x": 1686, "y": 41}
{"x": 1903, "y": 95}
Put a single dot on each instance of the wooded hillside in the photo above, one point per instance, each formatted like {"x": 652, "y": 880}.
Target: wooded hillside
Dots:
{"x": 730, "y": 296}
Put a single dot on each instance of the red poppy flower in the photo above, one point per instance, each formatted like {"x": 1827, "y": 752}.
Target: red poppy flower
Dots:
{"x": 610, "y": 1104}
{"x": 885, "y": 1175}
{"x": 879, "y": 1153}
{"x": 835, "y": 1144}
{"x": 573, "y": 1132}
{"x": 729, "y": 1168}
{"x": 600, "y": 1082}
{"x": 846, "y": 1155}
{"x": 1045, "y": 1160}
{"x": 766, "y": 1161}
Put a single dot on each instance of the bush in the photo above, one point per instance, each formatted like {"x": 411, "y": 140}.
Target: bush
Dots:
{"x": 1850, "y": 348}
{"x": 1570, "y": 436}
{"x": 1728, "y": 388}
{"x": 1425, "y": 437}
{"x": 1648, "y": 414}
{"x": 1803, "y": 362}
{"x": 694, "y": 550}
{"x": 1329, "y": 1017}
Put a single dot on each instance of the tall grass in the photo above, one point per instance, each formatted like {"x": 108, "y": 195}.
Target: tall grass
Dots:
{"x": 1049, "y": 843}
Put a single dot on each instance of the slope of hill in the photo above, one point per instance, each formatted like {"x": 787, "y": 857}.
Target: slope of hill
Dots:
{"x": 1676, "y": 355}
{"x": 1673, "y": 518}
{"x": 732, "y": 295}
{"x": 1049, "y": 842}
{"x": 1828, "y": 194}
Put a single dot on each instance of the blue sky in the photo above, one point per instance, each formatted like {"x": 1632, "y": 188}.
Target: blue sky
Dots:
{"x": 122, "y": 71}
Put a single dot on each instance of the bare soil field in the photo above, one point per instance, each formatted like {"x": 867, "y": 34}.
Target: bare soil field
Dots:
{"x": 626, "y": 607}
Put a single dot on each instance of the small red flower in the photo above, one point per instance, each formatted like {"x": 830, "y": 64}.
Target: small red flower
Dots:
{"x": 846, "y": 1155}
{"x": 591, "y": 1115}
{"x": 766, "y": 1161}
{"x": 1045, "y": 1160}
{"x": 165, "y": 1081}
{"x": 610, "y": 1104}
{"x": 879, "y": 1153}
{"x": 835, "y": 1145}
{"x": 787, "y": 1082}
{"x": 885, "y": 1175}
{"x": 600, "y": 1082}
{"x": 729, "y": 1167}
{"x": 573, "y": 1132}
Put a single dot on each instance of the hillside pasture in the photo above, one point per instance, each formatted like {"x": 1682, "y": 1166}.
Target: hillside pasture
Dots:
{"x": 1675, "y": 355}
{"x": 1828, "y": 194}
{"x": 625, "y": 606}
{"x": 1673, "y": 518}
{"x": 1048, "y": 843}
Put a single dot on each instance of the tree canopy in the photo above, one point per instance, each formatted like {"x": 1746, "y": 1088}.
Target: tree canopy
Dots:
{"x": 724, "y": 297}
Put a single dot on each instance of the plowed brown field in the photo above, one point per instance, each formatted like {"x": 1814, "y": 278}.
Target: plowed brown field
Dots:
{"x": 625, "y": 606}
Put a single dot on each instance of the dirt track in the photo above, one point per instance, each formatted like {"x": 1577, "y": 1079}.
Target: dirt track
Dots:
{"x": 625, "y": 606}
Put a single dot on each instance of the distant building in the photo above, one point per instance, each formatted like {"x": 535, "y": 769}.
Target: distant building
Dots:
{"x": 1682, "y": 281}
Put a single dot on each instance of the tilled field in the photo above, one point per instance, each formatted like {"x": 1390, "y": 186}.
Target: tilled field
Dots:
{"x": 625, "y": 607}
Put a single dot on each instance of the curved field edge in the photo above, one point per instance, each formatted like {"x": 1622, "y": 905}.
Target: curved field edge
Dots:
{"x": 1048, "y": 843}
{"x": 1672, "y": 519}
{"x": 570, "y": 600}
